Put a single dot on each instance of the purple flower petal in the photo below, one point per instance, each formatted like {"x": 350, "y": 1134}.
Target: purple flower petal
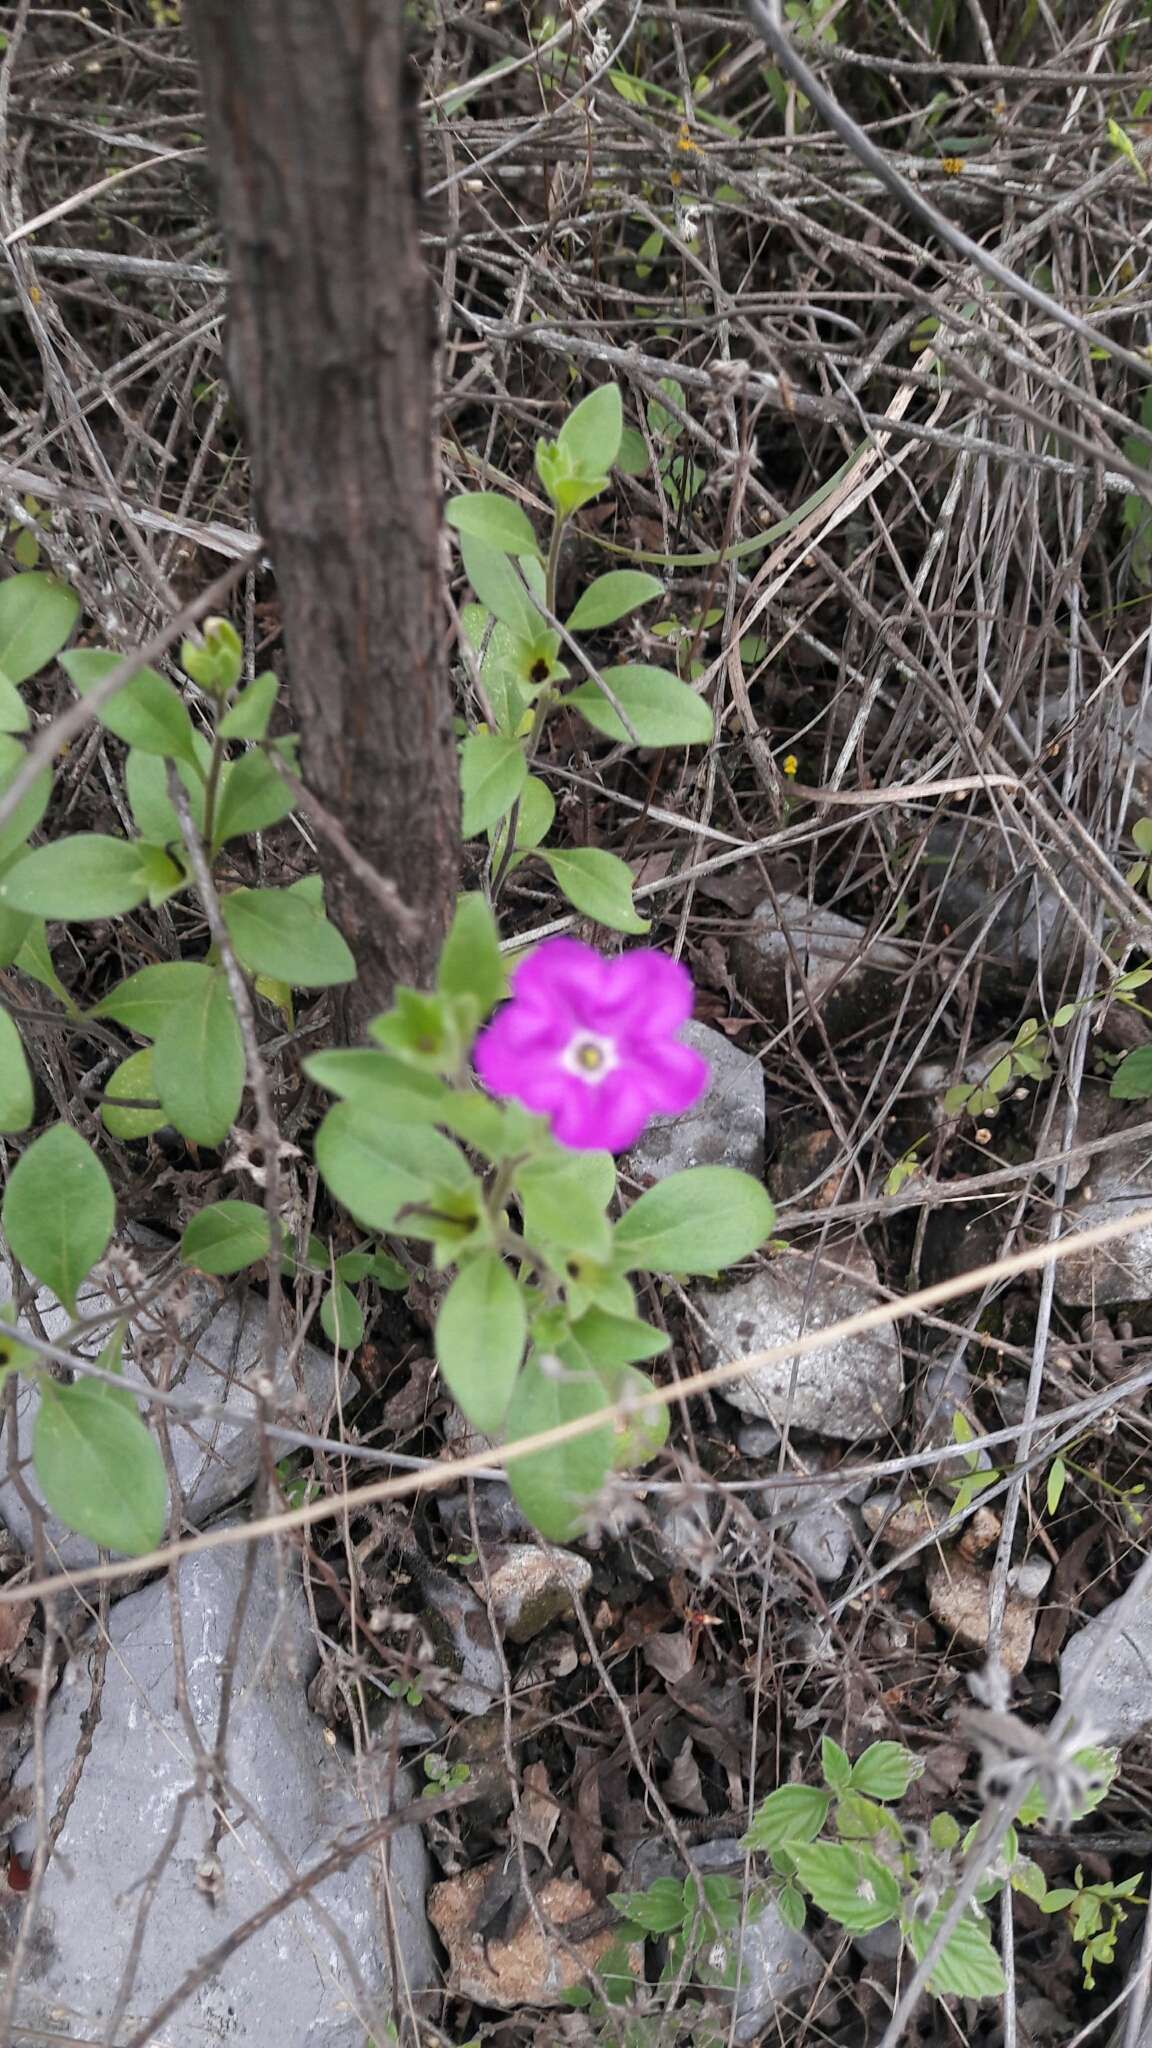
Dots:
{"x": 648, "y": 993}
{"x": 676, "y": 1077}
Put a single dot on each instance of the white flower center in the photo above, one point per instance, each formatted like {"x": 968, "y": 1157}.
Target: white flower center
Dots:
{"x": 590, "y": 1057}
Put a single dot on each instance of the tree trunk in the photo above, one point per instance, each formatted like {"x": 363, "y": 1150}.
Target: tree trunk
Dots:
{"x": 312, "y": 130}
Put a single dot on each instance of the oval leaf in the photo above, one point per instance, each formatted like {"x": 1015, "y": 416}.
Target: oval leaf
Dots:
{"x": 598, "y": 884}
{"x": 36, "y": 616}
{"x": 663, "y": 711}
{"x": 32, "y": 805}
{"x": 278, "y": 932}
{"x": 480, "y": 1335}
{"x": 1132, "y": 1081}
{"x": 612, "y": 597}
{"x": 252, "y": 798}
{"x": 340, "y": 1317}
{"x": 146, "y": 712}
{"x": 493, "y": 771}
{"x": 590, "y": 436}
{"x": 493, "y": 518}
{"x": 225, "y": 1237}
{"x": 376, "y": 1167}
{"x": 698, "y": 1221}
{"x": 78, "y": 879}
{"x": 497, "y": 585}
{"x": 556, "y": 1488}
{"x": 99, "y": 1469}
{"x": 144, "y": 1002}
{"x": 133, "y": 1081}
{"x": 198, "y": 1063}
{"x": 59, "y": 1211}
{"x": 17, "y": 1099}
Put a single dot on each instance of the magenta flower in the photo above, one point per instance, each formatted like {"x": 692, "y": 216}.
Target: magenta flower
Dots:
{"x": 591, "y": 1043}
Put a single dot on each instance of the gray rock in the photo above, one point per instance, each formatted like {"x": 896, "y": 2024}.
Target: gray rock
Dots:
{"x": 1122, "y": 1269}
{"x": 852, "y": 1389}
{"x": 726, "y": 1126}
{"x": 290, "y": 1983}
{"x": 796, "y": 959}
{"x": 822, "y": 1541}
{"x": 531, "y": 1586}
{"x": 201, "y": 1345}
{"x": 1026, "y": 931}
{"x": 757, "y": 1439}
{"x": 1118, "y": 1702}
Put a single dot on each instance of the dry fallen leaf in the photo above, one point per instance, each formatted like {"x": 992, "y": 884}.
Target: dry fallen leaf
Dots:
{"x": 682, "y": 1786}
{"x": 539, "y": 1811}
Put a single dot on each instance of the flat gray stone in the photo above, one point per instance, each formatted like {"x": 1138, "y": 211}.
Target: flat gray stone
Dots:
{"x": 201, "y": 1345}
{"x": 852, "y": 1389}
{"x": 987, "y": 885}
{"x": 290, "y": 1983}
{"x": 795, "y": 960}
{"x": 724, "y": 1128}
{"x": 1122, "y": 1269}
{"x": 822, "y": 1541}
{"x": 1118, "y": 1703}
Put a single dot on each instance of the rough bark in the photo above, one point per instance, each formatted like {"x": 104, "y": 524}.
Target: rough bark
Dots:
{"x": 312, "y": 131}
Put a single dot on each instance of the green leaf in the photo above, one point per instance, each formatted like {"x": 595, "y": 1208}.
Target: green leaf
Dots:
{"x": 147, "y": 713}
{"x": 612, "y": 597}
{"x": 377, "y": 1167}
{"x": 1142, "y": 835}
{"x": 944, "y": 1831}
{"x": 969, "y": 1966}
{"x": 536, "y": 811}
{"x": 848, "y": 1883}
{"x": 252, "y": 799}
{"x": 249, "y": 716}
{"x": 17, "y": 1097}
{"x": 36, "y": 616}
{"x": 99, "y": 1469}
{"x": 589, "y": 440}
{"x": 278, "y": 932}
{"x": 32, "y": 804}
{"x": 1132, "y": 1081}
{"x": 492, "y": 518}
{"x": 793, "y": 1813}
{"x": 1057, "y": 1480}
{"x": 146, "y": 783}
{"x": 35, "y": 960}
{"x": 59, "y": 1211}
{"x": 659, "y": 1910}
{"x": 480, "y": 1335}
{"x": 558, "y": 1487}
{"x": 664, "y": 425}
{"x": 198, "y": 1063}
{"x": 493, "y": 771}
{"x": 13, "y": 709}
{"x": 559, "y": 1208}
{"x": 885, "y": 1771}
{"x": 612, "y": 1341}
{"x": 498, "y": 586}
{"x": 380, "y": 1082}
{"x": 790, "y": 1906}
{"x": 225, "y": 1237}
{"x": 699, "y": 1221}
{"x": 144, "y": 1001}
{"x": 662, "y": 711}
{"x": 79, "y": 879}
{"x": 598, "y": 884}
{"x": 340, "y": 1317}
{"x": 834, "y": 1764}
{"x": 470, "y": 961}
{"x": 133, "y": 1081}
{"x": 860, "y": 1819}
{"x": 641, "y": 1432}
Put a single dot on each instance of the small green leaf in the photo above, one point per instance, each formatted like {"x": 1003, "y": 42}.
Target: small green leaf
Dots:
{"x": 661, "y": 711}
{"x": 198, "y": 1063}
{"x": 612, "y": 597}
{"x": 493, "y": 772}
{"x": 790, "y": 1906}
{"x": 340, "y": 1317}
{"x": 848, "y": 1883}
{"x": 1057, "y": 1480}
{"x": 147, "y": 713}
{"x": 885, "y": 1771}
{"x": 640, "y": 1432}
{"x": 35, "y": 960}
{"x": 470, "y": 961}
{"x": 144, "y": 1001}
{"x": 278, "y": 932}
{"x": 132, "y": 1081}
{"x": 480, "y": 1335}
{"x": 146, "y": 784}
{"x": 99, "y": 1469}
{"x": 252, "y": 798}
{"x": 663, "y": 424}
{"x": 17, "y": 1098}
{"x": 249, "y": 716}
{"x": 225, "y": 1237}
{"x": 659, "y": 1910}
{"x": 559, "y": 1208}
{"x": 492, "y": 518}
{"x": 793, "y": 1813}
{"x": 1132, "y": 1081}
{"x": 535, "y": 813}
{"x": 835, "y": 1765}
{"x": 491, "y": 573}
{"x": 36, "y": 616}
{"x": 598, "y": 884}
{"x": 558, "y": 1487}
{"x": 614, "y": 1341}
{"x": 390, "y": 1086}
{"x": 699, "y": 1221}
{"x": 32, "y": 804}
{"x": 13, "y": 709}
{"x": 969, "y": 1966}
{"x": 59, "y": 1211}
{"x": 78, "y": 879}
{"x": 589, "y": 440}
{"x": 378, "y": 1168}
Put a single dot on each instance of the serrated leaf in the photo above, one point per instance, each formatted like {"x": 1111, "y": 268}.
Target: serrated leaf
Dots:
{"x": 146, "y": 713}
{"x": 377, "y": 1167}
{"x": 699, "y": 1221}
{"x": 17, "y": 1097}
{"x": 835, "y": 1764}
{"x": 493, "y": 771}
{"x": 662, "y": 711}
{"x": 32, "y": 805}
{"x": 659, "y": 1910}
{"x": 198, "y": 1063}
{"x": 132, "y": 1081}
{"x": 969, "y": 1966}
{"x": 340, "y": 1317}
{"x": 491, "y": 517}
{"x": 249, "y": 716}
{"x": 598, "y": 884}
{"x": 480, "y": 1336}
{"x": 278, "y": 932}
{"x": 37, "y": 615}
{"x": 589, "y": 440}
{"x": 790, "y": 1906}
{"x": 98, "y": 1468}
{"x": 1132, "y": 1081}
{"x": 59, "y": 1211}
{"x": 793, "y": 1813}
{"x": 78, "y": 880}
{"x": 225, "y": 1237}
{"x": 885, "y": 1770}
{"x": 850, "y": 1884}
{"x": 612, "y": 597}
{"x": 143, "y": 1002}
{"x": 559, "y": 1487}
